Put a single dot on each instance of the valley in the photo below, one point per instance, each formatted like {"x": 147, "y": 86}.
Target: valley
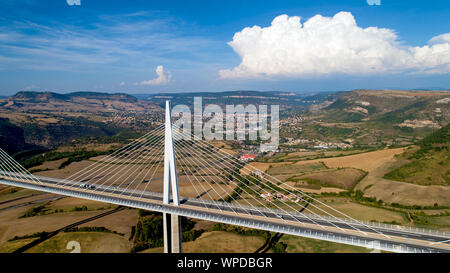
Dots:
{"x": 376, "y": 155}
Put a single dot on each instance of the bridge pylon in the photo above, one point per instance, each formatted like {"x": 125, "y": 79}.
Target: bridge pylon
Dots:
{"x": 171, "y": 222}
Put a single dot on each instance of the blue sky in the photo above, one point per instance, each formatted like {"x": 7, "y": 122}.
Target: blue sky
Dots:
{"x": 180, "y": 46}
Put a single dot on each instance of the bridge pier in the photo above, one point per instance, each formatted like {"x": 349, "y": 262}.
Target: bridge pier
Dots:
{"x": 172, "y": 233}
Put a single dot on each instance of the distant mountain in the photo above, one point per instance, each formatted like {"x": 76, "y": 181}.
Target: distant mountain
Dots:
{"x": 104, "y": 96}
{"x": 76, "y": 102}
{"x": 49, "y": 119}
{"x": 34, "y": 96}
{"x": 285, "y": 99}
{"x": 389, "y": 107}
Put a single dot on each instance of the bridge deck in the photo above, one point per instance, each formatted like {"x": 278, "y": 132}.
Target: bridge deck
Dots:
{"x": 296, "y": 224}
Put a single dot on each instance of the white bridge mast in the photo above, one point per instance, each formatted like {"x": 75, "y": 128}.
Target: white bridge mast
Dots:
{"x": 170, "y": 166}
{"x": 171, "y": 222}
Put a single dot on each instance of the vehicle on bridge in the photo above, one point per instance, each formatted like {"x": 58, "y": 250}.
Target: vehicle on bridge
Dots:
{"x": 87, "y": 186}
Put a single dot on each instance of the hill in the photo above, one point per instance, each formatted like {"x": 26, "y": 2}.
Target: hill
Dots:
{"x": 392, "y": 106}
{"x": 378, "y": 117}
{"x": 429, "y": 164}
{"x": 49, "y": 119}
{"x": 74, "y": 102}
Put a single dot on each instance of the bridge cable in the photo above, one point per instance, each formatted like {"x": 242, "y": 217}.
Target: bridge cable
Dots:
{"x": 129, "y": 146}
{"x": 339, "y": 219}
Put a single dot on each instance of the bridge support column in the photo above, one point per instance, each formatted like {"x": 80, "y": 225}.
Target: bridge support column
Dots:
{"x": 167, "y": 233}
{"x": 171, "y": 222}
{"x": 175, "y": 222}
{"x": 172, "y": 233}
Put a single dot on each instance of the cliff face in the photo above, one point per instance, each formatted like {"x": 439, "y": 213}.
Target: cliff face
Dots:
{"x": 11, "y": 137}
{"x": 51, "y": 135}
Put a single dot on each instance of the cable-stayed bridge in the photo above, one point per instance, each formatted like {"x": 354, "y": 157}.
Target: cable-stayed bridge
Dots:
{"x": 173, "y": 172}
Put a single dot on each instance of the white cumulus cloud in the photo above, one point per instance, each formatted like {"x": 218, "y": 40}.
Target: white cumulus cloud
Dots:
{"x": 331, "y": 45}
{"x": 440, "y": 39}
{"x": 162, "y": 79}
